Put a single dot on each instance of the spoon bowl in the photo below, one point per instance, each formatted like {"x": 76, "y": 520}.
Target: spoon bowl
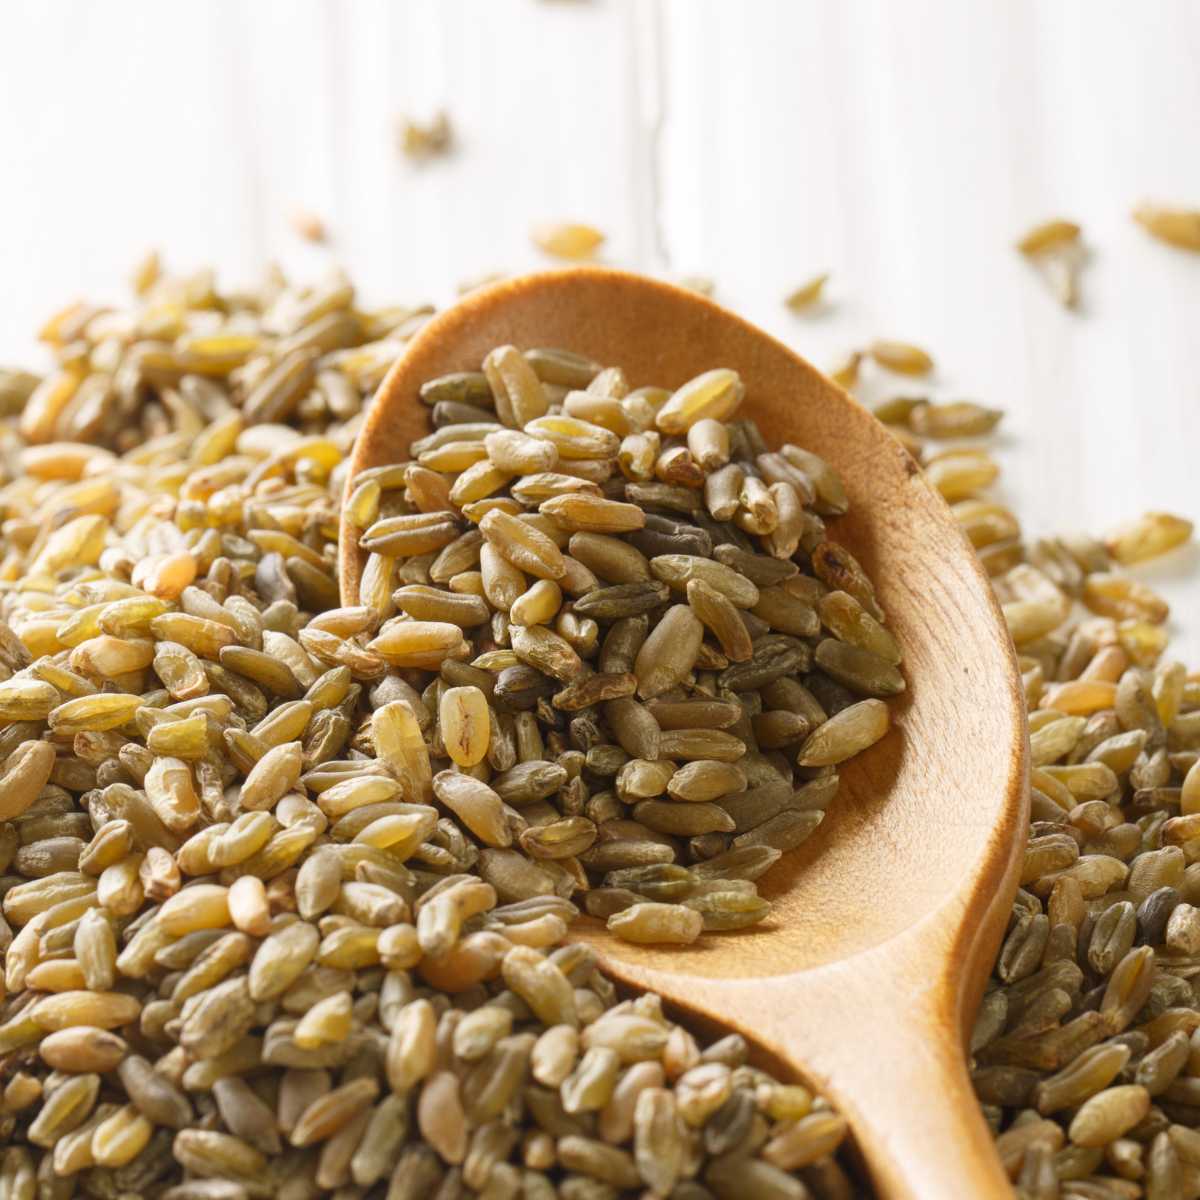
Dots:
{"x": 885, "y": 922}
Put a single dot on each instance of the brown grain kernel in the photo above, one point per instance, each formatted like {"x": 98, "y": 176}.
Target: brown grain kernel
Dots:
{"x": 1176, "y": 226}
{"x": 566, "y": 240}
{"x": 669, "y": 653}
{"x": 1109, "y": 1114}
{"x": 901, "y": 357}
{"x": 807, "y": 294}
{"x": 1048, "y": 235}
{"x": 649, "y": 923}
{"x": 846, "y": 734}
{"x": 464, "y": 725}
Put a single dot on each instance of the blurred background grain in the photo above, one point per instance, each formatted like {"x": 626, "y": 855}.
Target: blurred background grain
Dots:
{"x": 902, "y": 147}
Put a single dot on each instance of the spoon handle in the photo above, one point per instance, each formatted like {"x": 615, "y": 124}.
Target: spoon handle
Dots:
{"x": 904, "y": 1086}
{"x": 887, "y": 1050}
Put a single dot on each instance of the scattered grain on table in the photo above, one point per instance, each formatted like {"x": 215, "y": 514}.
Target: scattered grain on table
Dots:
{"x": 807, "y": 295}
{"x": 1176, "y": 226}
{"x": 308, "y": 225}
{"x": 567, "y": 239}
{"x": 1055, "y": 249}
{"x": 421, "y": 140}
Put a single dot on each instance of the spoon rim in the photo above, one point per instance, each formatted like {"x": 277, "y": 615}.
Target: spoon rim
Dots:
{"x": 990, "y": 873}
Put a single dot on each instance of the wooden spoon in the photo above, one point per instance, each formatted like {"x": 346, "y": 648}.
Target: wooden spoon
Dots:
{"x": 885, "y": 923}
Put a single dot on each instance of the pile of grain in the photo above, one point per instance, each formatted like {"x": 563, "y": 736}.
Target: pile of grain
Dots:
{"x": 252, "y": 946}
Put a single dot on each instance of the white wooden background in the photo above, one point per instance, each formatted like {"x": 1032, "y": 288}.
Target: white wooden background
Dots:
{"x": 899, "y": 144}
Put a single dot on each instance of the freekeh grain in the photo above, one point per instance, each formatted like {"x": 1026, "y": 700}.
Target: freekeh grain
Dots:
{"x": 290, "y": 881}
{"x": 579, "y": 601}
{"x": 293, "y": 979}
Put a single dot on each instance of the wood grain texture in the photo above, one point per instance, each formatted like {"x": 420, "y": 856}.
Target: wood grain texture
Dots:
{"x": 886, "y": 920}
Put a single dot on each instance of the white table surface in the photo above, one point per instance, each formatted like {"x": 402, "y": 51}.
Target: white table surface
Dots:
{"x": 901, "y": 146}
